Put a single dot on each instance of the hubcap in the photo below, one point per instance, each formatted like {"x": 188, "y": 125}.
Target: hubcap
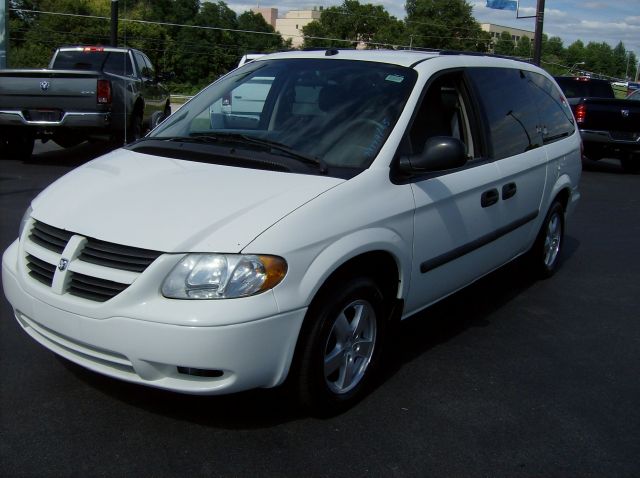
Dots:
{"x": 350, "y": 346}
{"x": 552, "y": 240}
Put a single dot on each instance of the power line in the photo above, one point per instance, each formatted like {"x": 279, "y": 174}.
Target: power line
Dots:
{"x": 148, "y": 22}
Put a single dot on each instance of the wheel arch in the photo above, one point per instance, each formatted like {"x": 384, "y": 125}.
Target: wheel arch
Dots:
{"x": 387, "y": 259}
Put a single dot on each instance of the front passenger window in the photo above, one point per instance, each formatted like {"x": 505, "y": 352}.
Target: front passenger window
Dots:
{"x": 441, "y": 113}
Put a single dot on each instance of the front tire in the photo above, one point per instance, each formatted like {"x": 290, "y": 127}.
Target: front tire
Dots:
{"x": 546, "y": 251}
{"x": 341, "y": 344}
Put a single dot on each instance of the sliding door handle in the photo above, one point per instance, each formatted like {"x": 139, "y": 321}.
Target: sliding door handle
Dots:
{"x": 509, "y": 190}
{"x": 489, "y": 198}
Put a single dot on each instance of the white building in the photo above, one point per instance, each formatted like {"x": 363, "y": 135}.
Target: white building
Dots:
{"x": 290, "y": 25}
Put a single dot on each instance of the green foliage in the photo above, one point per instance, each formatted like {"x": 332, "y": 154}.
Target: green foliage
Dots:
{"x": 505, "y": 45}
{"x": 443, "y": 24}
{"x": 199, "y": 55}
{"x": 347, "y": 25}
{"x": 524, "y": 48}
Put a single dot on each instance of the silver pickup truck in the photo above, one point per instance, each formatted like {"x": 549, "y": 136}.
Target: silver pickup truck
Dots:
{"x": 86, "y": 93}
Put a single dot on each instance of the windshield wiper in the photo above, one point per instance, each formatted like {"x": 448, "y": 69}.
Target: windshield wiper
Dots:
{"x": 243, "y": 138}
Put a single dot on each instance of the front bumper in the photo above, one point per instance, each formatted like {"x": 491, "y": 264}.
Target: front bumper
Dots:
{"x": 250, "y": 354}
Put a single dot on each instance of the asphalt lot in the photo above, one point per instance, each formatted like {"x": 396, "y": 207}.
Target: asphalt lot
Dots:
{"x": 509, "y": 378}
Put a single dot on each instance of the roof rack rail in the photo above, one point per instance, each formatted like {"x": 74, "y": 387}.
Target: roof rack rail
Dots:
{"x": 479, "y": 53}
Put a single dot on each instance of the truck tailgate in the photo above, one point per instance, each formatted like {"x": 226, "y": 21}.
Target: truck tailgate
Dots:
{"x": 619, "y": 117}
{"x": 42, "y": 90}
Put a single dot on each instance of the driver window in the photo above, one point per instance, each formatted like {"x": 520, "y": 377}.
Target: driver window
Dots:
{"x": 441, "y": 113}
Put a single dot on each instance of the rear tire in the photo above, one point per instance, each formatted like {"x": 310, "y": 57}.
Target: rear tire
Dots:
{"x": 545, "y": 253}
{"x": 135, "y": 129}
{"x": 340, "y": 345}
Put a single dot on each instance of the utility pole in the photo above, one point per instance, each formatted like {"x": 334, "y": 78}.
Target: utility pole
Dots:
{"x": 537, "y": 50}
{"x": 114, "y": 22}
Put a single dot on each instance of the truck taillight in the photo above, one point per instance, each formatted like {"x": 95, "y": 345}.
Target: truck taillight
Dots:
{"x": 104, "y": 92}
{"x": 580, "y": 113}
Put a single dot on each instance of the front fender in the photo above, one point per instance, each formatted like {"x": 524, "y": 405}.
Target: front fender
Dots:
{"x": 327, "y": 260}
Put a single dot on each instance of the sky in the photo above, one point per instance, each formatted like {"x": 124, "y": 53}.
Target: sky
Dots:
{"x": 609, "y": 21}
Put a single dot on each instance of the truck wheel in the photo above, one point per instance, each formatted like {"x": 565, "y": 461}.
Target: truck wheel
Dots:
{"x": 340, "y": 345}
{"x": 20, "y": 146}
{"x": 631, "y": 165}
{"x": 545, "y": 253}
{"x": 134, "y": 132}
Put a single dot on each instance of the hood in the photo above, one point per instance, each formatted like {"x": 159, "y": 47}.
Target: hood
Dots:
{"x": 172, "y": 205}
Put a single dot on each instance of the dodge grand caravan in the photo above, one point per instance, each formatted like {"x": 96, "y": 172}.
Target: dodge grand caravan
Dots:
{"x": 229, "y": 250}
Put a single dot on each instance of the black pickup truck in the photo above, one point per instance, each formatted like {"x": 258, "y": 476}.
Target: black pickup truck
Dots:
{"x": 610, "y": 127}
{"x": 86, "y": 93}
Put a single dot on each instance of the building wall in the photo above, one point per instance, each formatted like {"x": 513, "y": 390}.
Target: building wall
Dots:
{"x": 496, "y": 30}
{"x": 290, "y": 26}
{"x": 270, "y": 15}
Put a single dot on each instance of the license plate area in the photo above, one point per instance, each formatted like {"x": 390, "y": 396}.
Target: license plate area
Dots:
{"x": 45, "y": 115}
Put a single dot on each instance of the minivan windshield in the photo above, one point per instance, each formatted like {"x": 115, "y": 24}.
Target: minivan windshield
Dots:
{"x": 336, "y": 113}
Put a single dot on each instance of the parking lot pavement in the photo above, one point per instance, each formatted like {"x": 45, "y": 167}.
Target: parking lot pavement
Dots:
{"x": 510, "y": 377}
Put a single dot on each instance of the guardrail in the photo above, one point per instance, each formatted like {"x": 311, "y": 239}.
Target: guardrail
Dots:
{"x": 180, "y": 98}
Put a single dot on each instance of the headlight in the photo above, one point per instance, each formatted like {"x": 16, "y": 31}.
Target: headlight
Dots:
{"x": 25, "y": 219}
{"x": 223, "y": 276}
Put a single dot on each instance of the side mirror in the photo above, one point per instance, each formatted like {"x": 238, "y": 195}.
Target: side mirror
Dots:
{"x": 440, "y": 153}
{"x": 168, "y": 76}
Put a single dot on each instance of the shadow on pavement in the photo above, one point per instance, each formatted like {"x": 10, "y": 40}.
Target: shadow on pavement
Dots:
{"x": 415, "y": 336}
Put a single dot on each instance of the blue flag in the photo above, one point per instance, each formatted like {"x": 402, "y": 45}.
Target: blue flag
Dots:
{"x": 503, "y": 4}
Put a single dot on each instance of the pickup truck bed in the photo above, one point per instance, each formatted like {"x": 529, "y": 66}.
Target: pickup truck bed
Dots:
{"x": 610, "y": 127}
{"x": 52, "y": 98}
{"x": 86, "y": 93}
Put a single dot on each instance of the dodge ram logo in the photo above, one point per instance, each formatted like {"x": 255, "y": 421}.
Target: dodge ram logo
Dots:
{"x": 44, "y": 85}
{"x": 63, "y": 264}
{"x": 625, "y": 113}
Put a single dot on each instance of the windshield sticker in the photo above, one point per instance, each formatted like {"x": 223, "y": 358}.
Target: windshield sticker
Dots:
{"x": 395, "y": 78}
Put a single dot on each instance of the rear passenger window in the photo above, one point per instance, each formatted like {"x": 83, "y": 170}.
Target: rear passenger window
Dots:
{"x": 510, "y": 109}
{"x": 556, "y": 118}
{"x": 118, "y": 64}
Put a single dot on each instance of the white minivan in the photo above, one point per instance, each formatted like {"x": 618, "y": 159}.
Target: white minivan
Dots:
{"x": 224, "y": 252}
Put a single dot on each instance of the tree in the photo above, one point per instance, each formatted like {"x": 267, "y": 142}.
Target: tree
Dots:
{"x": 443, "y": 24}
{"x": 599, "y": 58}
{"x": 524, "y": 47}
{"x": 248, "y": 42}
{"x": 352, "y": 23}
{"x": 40, "y": 34}
{"x": 505, "y": 45}
{"x": 575, "y": 55}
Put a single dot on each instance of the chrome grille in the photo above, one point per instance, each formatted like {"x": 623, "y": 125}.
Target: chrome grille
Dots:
{"x": 40, "y": 270}
{"x": 93, "y": 288}
{"x": 94, "y": 251}
{"x": 116, "y": 256}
